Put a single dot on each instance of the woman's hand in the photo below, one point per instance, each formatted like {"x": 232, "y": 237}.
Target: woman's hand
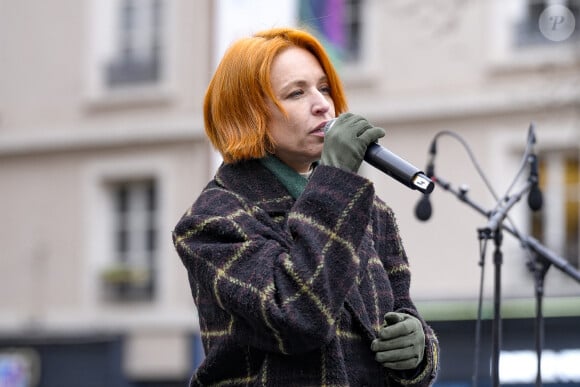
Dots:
{"x": 401, "y": 342}
{"x": 346, "y": 142}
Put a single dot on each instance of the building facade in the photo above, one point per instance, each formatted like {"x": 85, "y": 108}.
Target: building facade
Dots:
{"x": 102, "y": 149}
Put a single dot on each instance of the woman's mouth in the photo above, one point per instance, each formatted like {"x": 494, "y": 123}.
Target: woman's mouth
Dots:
{"x": 319, "y": 130}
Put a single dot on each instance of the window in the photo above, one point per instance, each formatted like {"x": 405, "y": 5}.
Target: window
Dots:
{"x": 533, "y": 33}
{"x": 128, "y": 54}
{"x": 571, "y": 205}
{"x": 137, "y": 55}
{"x": 352, "y": 26}
{"x": 539, "y": 19}
{"x": 557, "y": 225}
{"x": 337, "y": 24}
{"x": 131, "y": 274}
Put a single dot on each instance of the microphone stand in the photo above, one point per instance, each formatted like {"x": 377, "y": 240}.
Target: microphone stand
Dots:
{"x": 539, "y": 267}
{"x": 526, "y": 240}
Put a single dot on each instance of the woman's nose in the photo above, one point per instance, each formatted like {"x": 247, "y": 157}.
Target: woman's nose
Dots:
{"x": 321, "y": 103}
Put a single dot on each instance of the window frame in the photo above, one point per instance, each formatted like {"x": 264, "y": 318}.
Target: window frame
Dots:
{"x": 506, "y": 55}
{"x": 101, "y": 28}
{"x": 550, "y": 226}
{"x": 99, "y": 254}
{"x": 132, "y": 274}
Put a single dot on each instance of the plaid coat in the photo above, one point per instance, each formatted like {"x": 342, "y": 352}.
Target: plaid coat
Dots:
{"x": 292, "y": 292}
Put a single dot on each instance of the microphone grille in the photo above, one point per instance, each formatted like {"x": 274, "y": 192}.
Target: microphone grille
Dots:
{"x": 535, "y": 199}
{"x": 328, "y": 125}
{"x": 423, "y": 209}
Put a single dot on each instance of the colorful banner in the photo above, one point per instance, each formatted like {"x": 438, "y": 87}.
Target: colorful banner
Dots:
{"x": 326, "y": 19}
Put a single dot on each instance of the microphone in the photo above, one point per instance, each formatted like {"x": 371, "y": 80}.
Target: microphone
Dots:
{"x": 535, "y": 198}
{"x": 394, "y": 166}
{"x": 423, "y": 209}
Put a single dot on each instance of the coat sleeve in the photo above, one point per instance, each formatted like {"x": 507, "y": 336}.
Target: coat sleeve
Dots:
{"x": 281, "y": 288}
{"x": 396, "y": 263}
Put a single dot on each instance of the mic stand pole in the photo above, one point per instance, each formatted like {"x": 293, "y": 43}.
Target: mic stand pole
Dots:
{"x": 544, "y": 258}
{"x": 493, "y": 228}
{"x": 540, "y": 269}
{"x": 496, "y": 329}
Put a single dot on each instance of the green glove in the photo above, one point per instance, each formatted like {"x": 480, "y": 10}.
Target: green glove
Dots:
{"x": 346, "y": 142}
{"x": 401, "y": 342}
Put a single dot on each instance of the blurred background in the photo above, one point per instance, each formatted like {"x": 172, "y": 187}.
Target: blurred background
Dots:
{"x": 102, "y": 148}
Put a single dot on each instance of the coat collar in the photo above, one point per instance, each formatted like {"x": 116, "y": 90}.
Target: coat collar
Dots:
{"x": 253, "y": 181}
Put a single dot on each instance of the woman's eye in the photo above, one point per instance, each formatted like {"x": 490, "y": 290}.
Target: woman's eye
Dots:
{"x": 325, "y": 89}
{"x": 295, "y": 93}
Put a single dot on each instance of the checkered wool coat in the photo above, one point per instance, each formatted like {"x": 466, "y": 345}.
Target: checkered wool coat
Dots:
{"x": 291, "y": 292}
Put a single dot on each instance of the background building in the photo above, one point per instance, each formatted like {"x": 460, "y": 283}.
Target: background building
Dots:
{"x": 102, "y": 149}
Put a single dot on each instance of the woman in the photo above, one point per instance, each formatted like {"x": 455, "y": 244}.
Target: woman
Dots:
{"x": 296, "y": 267}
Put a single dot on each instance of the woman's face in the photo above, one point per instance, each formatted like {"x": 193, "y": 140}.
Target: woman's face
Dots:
{"x": 302, "y": 88}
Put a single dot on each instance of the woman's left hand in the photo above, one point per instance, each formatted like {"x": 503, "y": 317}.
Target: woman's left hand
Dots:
{"x": 401, "y": 342}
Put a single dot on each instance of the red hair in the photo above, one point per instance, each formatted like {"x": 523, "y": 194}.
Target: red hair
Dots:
{"x": 235, "y": 107}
